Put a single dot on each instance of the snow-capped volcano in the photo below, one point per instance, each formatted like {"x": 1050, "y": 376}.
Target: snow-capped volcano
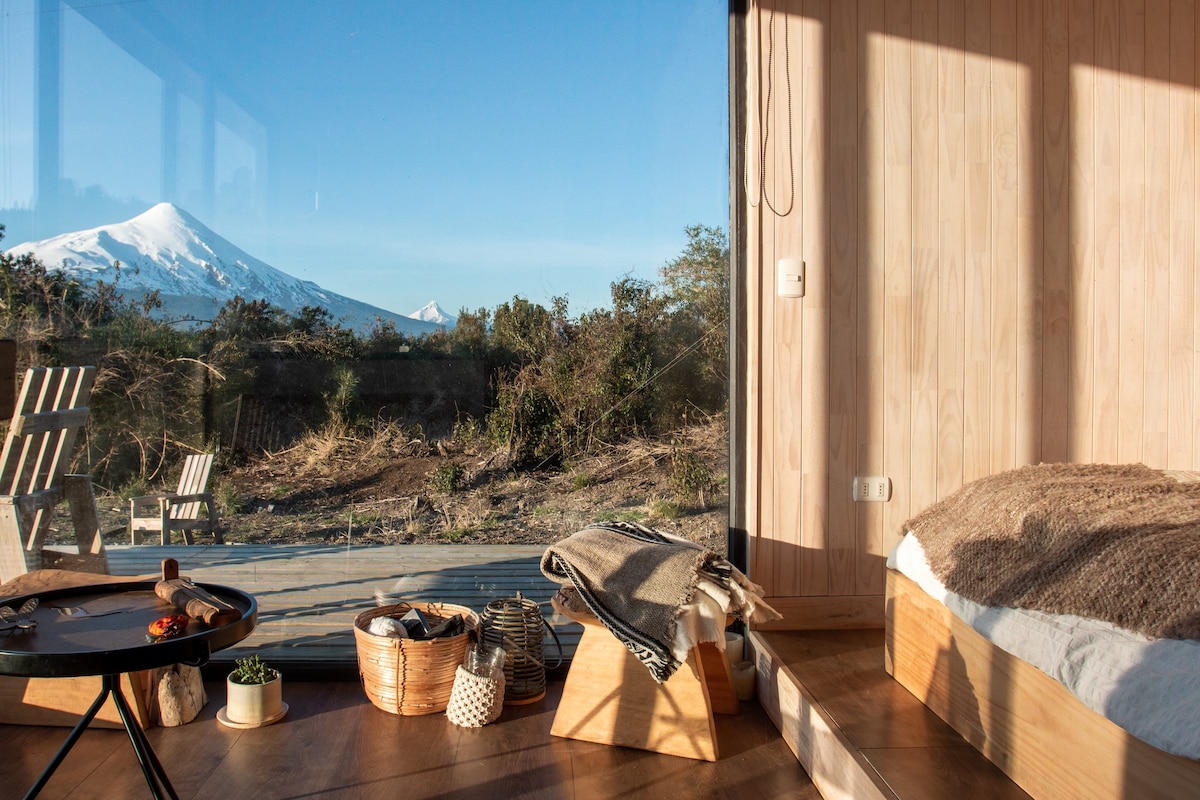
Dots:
{"x": 195, "y": 270}
{"x": 432, "y": 312}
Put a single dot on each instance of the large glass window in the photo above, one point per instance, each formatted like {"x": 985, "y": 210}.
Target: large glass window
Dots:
{"x": 418, "y": 274}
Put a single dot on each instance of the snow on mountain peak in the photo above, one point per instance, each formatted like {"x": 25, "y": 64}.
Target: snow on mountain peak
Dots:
{"x": 432, "y": 312}
{"x": 196, "y": 271}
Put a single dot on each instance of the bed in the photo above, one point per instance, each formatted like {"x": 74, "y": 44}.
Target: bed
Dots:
{"x": 1048, "y": 615}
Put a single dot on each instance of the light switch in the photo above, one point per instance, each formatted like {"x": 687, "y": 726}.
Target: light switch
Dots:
{"x": 789, "y": 280}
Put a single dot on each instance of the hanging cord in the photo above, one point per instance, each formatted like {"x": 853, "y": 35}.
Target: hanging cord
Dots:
{"x": 763, "y": 117}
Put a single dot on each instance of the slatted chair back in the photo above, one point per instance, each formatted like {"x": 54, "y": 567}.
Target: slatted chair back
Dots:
{"x": 190, "y": 508}
{"x": 192, "y": 481}
{"x": 51, "y": 408}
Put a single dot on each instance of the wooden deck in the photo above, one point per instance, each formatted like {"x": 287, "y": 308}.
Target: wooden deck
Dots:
{"x": 309, "y": 595}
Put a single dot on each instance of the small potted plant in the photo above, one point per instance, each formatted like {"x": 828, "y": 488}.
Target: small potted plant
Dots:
{"x": 254, "y": 695}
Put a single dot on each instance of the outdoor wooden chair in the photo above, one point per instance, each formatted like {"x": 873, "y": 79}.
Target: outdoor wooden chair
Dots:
{"x": 50, "y": 410}
{"x": 181, "y": 510}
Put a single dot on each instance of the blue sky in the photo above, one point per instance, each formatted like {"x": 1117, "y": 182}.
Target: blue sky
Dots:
{"x": 391, "y": 151}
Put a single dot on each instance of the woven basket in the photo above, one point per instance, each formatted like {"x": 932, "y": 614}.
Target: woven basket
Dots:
{"x": 412, "y": 677}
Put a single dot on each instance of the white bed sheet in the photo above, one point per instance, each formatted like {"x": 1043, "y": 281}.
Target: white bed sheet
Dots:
{"x": 1149, "y": 687}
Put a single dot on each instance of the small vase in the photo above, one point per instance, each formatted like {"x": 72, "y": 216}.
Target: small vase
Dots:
{"x": 252, "y": 705}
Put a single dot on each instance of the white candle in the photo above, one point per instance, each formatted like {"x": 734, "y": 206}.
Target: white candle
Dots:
{"x": 734, "y": 650}
{"x": 743, "y": 679}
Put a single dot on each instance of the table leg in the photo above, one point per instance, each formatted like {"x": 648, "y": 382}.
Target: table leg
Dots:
{"x": 156, "y": 777}
{"x": 76, "y": 732}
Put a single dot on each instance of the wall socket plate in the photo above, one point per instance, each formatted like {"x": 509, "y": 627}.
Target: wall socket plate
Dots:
{"x": 789, "y": 277}
{"x": 874, "y": 489}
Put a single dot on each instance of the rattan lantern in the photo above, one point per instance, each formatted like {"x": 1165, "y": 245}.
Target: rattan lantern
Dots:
{"x": 517, "y": 625}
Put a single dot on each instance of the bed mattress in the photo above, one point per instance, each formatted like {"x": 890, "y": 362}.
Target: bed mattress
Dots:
{"x": 1149, "y": 687}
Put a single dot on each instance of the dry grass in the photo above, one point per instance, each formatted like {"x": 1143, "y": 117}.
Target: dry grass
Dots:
{"x": 338, "y": 486}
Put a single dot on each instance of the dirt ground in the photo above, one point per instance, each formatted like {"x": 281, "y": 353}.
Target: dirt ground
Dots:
{"x": 387, "y": 492}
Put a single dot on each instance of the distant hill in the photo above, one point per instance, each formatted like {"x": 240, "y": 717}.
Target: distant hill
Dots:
{"x": 196, "y": 272}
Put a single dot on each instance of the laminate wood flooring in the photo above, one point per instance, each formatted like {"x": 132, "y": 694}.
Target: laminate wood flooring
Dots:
{"x": 335, "y": 744}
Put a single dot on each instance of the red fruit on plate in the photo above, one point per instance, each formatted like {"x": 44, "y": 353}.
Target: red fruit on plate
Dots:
{"x": 166, "y": 627}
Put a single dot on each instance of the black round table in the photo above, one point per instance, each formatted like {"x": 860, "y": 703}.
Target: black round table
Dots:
{"x": 101, "y": 630}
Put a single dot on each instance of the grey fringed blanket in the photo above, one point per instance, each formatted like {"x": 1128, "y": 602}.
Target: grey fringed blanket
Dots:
{"x": 1119, "y": 543}
{"x": 634, "y": 580}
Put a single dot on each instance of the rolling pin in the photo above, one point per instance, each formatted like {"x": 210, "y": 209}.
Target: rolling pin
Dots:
{"x": 191, "y": 599}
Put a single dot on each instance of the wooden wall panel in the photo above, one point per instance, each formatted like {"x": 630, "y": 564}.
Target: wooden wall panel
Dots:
{"x": 1133, "y": 266}
{"x": 977, "y": 388}
{"x": 1157, "y": 297}
{"x": 843, "y": 254}
{"x": 952, "y": 243}
{"x": 1181, "y": 377}
{"x": 815, "y": 572}
{"x": 996, "y": 201}
{"x": 926, "y": 253}
{"x": 896, "y": 49}
{"x": 868, "y": 414}
{"x": 1030, "y": 240}
{"x": 1002, "y": 216}
{"x": 1082, "y": 192}
{"x": 789, "y": 430}
{"x": 1106, "y": 275}
{"x": 1056, "y": 227}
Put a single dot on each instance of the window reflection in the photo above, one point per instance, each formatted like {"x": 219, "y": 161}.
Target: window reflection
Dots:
{"x": 481, "y": 155}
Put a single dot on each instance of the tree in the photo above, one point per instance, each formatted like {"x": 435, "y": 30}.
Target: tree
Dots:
{"x": 614, "y": 354}
{"x": 528, "y": 342}
{"x": 312, "y": 331}
{"x": 696, "y": 289}
{"x": 469, "y": 337}
{"x": 698, "y": 278}
{"x": 241, "y": 322}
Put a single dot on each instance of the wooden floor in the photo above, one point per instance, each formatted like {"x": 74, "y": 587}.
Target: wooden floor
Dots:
{"x": 860, "y": 733}
{"x": 825, "y": 706}
{"x": 309, "y": 595}
{"x": 334, "y": 744}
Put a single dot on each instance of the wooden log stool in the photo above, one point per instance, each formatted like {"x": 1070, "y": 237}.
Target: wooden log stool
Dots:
{"x": 610, "y": 697}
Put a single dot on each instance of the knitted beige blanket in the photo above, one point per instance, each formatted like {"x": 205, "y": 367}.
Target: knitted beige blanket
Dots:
{"x": 635, "y": 581}
{"x": 1119, "y": 543}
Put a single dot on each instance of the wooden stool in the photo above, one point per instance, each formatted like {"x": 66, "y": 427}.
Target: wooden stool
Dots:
{"x": 610, "y": 697}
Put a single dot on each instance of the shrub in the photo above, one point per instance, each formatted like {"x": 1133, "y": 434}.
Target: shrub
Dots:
{"x": 690, "y": 476}
{"x": 468, "y": 433}
{"x": 666, "y": 509}
{"x": 446, "y": 478}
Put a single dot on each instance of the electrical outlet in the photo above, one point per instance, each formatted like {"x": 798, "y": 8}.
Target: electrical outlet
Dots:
{"x": 872, "y": 489}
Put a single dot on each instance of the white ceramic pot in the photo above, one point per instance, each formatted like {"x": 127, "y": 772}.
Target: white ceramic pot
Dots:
{"x": 251, "y": 705}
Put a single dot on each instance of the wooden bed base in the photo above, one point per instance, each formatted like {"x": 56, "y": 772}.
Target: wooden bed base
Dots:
{"x": 1024, "y": 721}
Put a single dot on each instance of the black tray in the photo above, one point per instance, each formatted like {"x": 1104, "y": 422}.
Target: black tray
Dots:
{"x": 111, "y": 637}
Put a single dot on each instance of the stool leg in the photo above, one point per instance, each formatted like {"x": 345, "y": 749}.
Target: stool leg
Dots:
{"x": 609, "y": 697}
